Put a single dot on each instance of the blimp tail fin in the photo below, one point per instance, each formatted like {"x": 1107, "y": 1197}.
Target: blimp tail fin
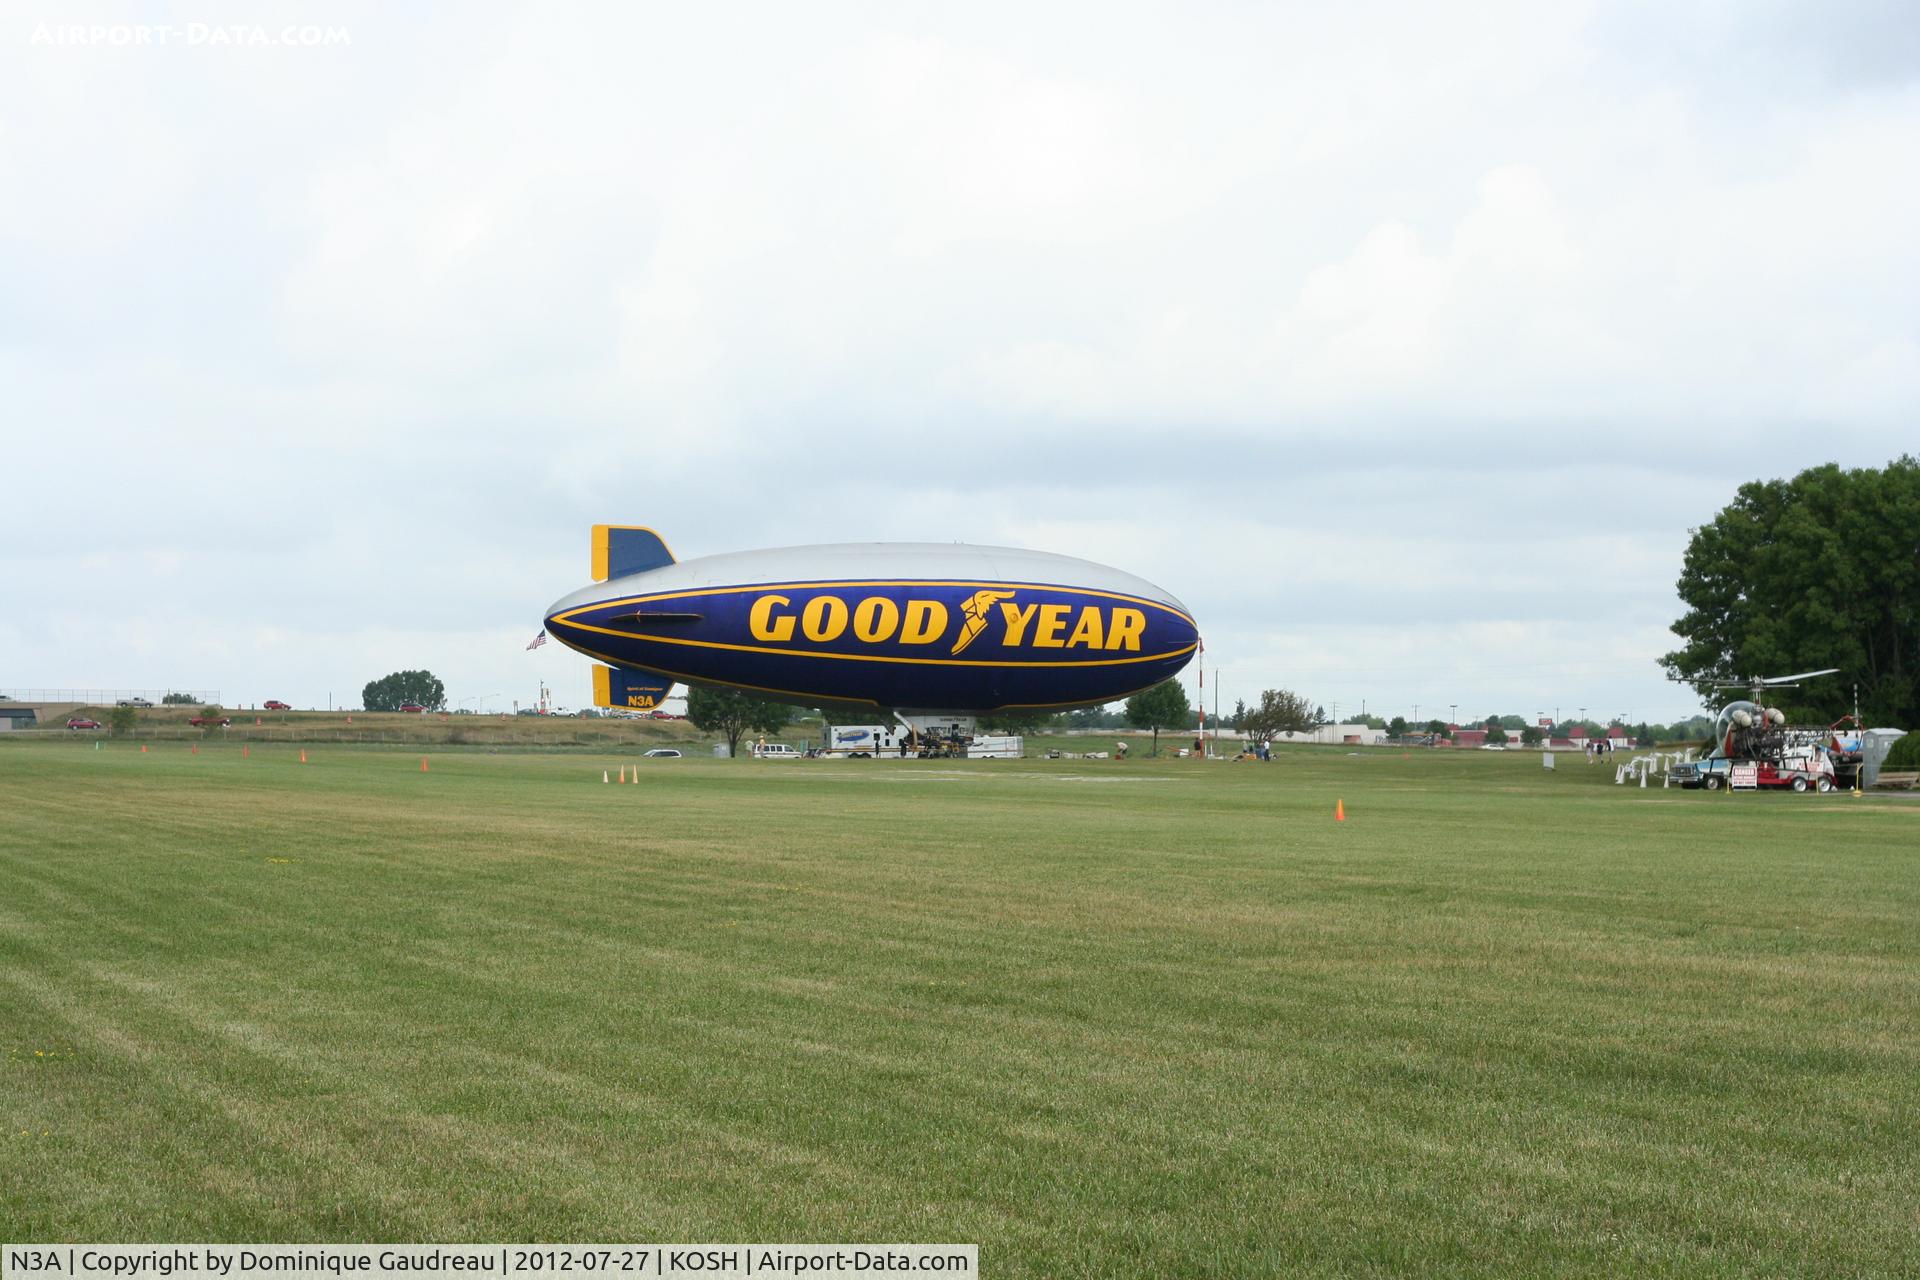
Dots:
{"x": 621, "y": 549}
{"x": 629, "y": 688}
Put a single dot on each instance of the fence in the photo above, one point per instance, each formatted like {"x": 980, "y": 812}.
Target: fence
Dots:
{"x": 103, "y": 697}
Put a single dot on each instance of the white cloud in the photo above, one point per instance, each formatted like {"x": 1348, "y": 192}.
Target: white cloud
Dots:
{"x": 1336, "y": 321}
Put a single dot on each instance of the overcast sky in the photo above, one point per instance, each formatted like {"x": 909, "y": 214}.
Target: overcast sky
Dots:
{"x": 1403, "y": 343}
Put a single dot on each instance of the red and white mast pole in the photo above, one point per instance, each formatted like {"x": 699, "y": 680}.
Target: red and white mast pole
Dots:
{"x": 1200, "y": 665}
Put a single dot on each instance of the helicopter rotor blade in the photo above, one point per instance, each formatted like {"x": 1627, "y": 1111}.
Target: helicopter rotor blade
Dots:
{"x": 1804, "y": 675}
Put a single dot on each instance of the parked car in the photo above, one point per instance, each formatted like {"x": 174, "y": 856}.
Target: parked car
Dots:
{"x": 202, "y": 722}
{"x": 774, "y": 751}
{"x": 81, "y": 722}
{"x": 664, "y": 753}
{"x": 274, "y": 704}
{"x": 133, "y": 702}
{"x": 412, "y": 706}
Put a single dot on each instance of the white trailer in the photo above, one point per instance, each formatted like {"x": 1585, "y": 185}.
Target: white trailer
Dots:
{"x": 867, "y": 740}
{"x": 906, "y": 742}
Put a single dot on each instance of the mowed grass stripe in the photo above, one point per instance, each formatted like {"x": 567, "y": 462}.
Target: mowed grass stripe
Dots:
{"x": 1190, "y": 1024}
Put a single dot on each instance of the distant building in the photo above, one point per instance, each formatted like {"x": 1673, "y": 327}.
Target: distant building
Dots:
{"x": 1350, "y": 735}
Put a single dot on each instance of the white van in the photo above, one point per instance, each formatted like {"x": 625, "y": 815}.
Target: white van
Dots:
{"x": 774, "y": 751}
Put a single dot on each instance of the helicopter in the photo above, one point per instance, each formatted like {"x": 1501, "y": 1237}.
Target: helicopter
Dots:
{"x": 1746, "y": 732}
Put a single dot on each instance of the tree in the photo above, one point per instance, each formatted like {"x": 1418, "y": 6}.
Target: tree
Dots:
{"x": 1024, "y": 722}
{"x": 1319, "y": 716}
{"x": 389, "y": 693}
{"x": 1817, "y": 571}
{"x": 120, "y": 721}
{"x": 1439, "y": 729}
{"x": 1100, "y": 717}
{"x": 1530, "y": 736}
{"x": 212, "y": 714}
{"x": 1280, "y": 711}
{"x": 1162, "y": 707}
{"x": 1238, "y": 720}
{"x": 176, "y": 699}
{"x": 1397, "y": 727}
{"x": 1497, "y": 734}
{"x": 732, "y": 712}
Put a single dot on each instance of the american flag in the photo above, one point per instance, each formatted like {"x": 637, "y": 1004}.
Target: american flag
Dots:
{"x": 539, "y": 639}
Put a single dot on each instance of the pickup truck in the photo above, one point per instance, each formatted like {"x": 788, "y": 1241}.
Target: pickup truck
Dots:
{"x": 202, "y": 722}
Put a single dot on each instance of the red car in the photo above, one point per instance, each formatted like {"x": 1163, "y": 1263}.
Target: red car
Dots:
{"x": 81, "y": 722}
{"x": 274, "y": 704}
{"x": 411, "y": 706}
{"x": 201, "y": 722}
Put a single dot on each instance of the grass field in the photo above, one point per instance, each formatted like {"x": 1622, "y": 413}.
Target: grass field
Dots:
{"x": 1103, "y": 1018}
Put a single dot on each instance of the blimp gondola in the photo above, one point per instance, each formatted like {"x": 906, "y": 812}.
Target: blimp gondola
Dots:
{"x": 910, "y": 628}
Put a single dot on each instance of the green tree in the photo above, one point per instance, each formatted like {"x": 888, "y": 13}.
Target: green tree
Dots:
{"x": 1439, "y": 729}
{"x": 1238, "y": 720}
{"x": 1397, "y": 726}
{"x": 389, "y": 693}
{"x": 1018, "y": 722}
{"x": 1530, "y": 736}
{"x": 176, "y": 699}
{"x": 1822, "y": 570}
{"x": 120, "y": 721}
{"x": 1101, "y": 717}
{"x": 212, "y": 713}
{"x": 1280, "y": 711}
{"x": 1903, "y": 754}
{"x": 1497, "y": 734}
{"x": 732, "y": 712}
{"x": 1162, "y": 707}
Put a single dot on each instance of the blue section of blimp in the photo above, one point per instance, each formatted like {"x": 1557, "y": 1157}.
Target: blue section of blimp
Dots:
{"x": 925, "y": 645}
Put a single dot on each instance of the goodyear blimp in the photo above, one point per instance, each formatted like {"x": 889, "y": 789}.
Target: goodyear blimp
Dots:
{"x": 904, "y": 627}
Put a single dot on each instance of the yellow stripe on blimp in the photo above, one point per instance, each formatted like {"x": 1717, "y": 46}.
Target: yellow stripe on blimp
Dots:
{"x": 658, "y": 596}
{"x": 869, "y": 657}
{"x": 602, "y": 685}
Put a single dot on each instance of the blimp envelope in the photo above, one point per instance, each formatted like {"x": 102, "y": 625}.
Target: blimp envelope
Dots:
{"x": 925, "y": 627}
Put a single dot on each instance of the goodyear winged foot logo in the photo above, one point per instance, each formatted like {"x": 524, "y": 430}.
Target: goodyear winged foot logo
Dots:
{"x": 975, "y": 613}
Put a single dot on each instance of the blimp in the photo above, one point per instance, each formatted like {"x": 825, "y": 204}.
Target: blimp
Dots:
{"x": 907, "y": 628}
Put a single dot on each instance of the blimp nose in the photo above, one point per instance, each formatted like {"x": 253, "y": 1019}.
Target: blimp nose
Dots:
{"x": 558, "y": 626}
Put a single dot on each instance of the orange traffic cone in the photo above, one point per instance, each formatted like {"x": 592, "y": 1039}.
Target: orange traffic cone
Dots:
{"x": 143, "y": 748}
{"x": 623, "y": 773}
{"x": 423, "y": 764}
{"x": 244, "y": 751}
{"x": 349, "y": 719}
{"x": 195, "y": 751}
{"x": 303, "y": 755}
{"x": 1339, "y": 810}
